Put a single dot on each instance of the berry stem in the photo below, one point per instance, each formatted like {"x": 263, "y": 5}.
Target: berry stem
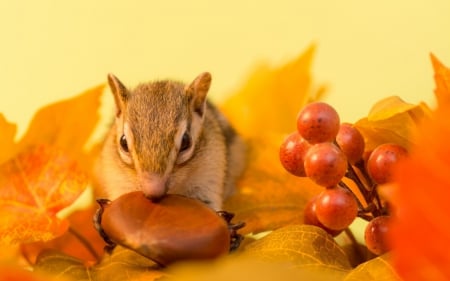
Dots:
{"x": 374, "y": 195}
{"x": 360, "y": 205}
{"x": 370, "y": 193}
{"x": 351, "y": 174}
{"x": 360, "y": 165}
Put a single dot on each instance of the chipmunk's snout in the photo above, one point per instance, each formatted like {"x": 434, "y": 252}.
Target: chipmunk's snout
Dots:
{"x": 153, "y": 186}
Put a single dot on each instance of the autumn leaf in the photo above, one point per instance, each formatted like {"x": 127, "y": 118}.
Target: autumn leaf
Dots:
{"x": 244, "y": 268}
{"x": 82, "y": 241}
{"x": 304, "y": 246}
{"x": 264, "y": 111}
{"x": 376, "y": 269}
{"x": 16, "y": 273}
{"x": 121, "y": 265}
{"x": 296, "y": 252}
{"x": 267, "y": 196}
{"x": 391, "y": 120}
{"x": 420, "y": 195}
{"x": 66, "y": 124}
{"x": 8, "y": 131}
{"x": 35, "y": 185}
{"x": 271, "y": 98}
{"x": 442, "y": 79}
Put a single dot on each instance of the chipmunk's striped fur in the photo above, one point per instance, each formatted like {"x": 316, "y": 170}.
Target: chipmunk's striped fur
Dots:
{"x": 167, "y": 138}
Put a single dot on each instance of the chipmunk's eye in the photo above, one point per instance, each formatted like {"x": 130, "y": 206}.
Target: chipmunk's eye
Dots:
{"x": 185, "y": 142}
{"x": 124, "y": 143}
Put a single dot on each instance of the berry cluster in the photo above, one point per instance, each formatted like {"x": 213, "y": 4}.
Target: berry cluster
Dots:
{"x": 327, "y": 151}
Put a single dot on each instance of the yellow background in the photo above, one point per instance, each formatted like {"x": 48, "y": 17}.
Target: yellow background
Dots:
{"x": 54, "y": 49}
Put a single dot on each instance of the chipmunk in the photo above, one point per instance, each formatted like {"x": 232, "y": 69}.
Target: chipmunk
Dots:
{"x": 168, "y": 138}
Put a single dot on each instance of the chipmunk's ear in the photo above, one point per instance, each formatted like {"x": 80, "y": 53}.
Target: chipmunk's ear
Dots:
{"x": 199, "y": 89}
{"x": 119, "y": 91}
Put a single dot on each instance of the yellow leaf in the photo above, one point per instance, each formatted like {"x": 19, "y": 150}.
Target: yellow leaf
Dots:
{"x": 244, "y": 268}
{"x": 392, "y": 120}
{"x": 264, "y": 111}
{"x": 377, "y": 269}
{"x": 304, "y": 246}
{"x": 122, "y": 264}
{"x": 389, "y": 107}
{"x": 267, "y": 196}
{"x": 296, "y": 252}
{"x": 65, "y": 124}
{"x": 272, "y": 98}
{"x": 16, "y": 273}
{"x": 8, "y": 131}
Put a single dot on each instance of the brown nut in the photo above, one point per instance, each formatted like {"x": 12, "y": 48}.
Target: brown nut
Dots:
{"x": 171, "y": 229}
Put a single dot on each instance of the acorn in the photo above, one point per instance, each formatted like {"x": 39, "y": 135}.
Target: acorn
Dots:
{"x": 171, "y": 229}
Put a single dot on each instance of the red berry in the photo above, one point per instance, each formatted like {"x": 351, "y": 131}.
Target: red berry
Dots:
{"x": 325, "y": 164}
{"x": 382, "y": 160}
{"x": 376, "y": 234}
{"x": 292, "y": 153}
{"x": 310, "y": 217}
{"x": 336, "y": 208}
{"x": 351, "y": 142}
{"x": 318, "y": 122}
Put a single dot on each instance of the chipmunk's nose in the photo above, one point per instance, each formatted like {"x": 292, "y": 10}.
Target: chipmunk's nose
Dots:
{"x": 153, "y": 186}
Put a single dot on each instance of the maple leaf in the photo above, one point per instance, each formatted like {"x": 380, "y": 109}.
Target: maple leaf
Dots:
{"x": 391, "y": 120}
{"x": 268, "y": 197}
{"x": 271, "y": 98}
{"x": 33, "y": 182}
{"x": 82, "y": 241}
{"x": 264, "y": 111}
{"x": 442, "y": 79}
{"x": 420, "y": 195}
{"x": 66, "y": 124}
{"x": 7, "y": 140}
{"x": 35, "y": 185}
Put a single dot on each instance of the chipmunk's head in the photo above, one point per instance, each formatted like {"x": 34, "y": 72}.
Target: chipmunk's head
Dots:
{"x": 157, "y": 128}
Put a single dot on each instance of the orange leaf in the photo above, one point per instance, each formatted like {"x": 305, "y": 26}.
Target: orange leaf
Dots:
{"x": 442, "y": 79}
{"x": 421, "y": 234}
{"x": 271, "y": 98}
{"x": 8, "y": 131}
{"x": 66, "y": 124}
{"x": 70, "y": 242}
{"x": 35, "y": 185}
{"x": 421, "y": 201}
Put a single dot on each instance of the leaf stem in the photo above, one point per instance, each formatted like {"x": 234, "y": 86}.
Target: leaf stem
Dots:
{"x": 85, "y": 242}
{"x": 357, "y": 249}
